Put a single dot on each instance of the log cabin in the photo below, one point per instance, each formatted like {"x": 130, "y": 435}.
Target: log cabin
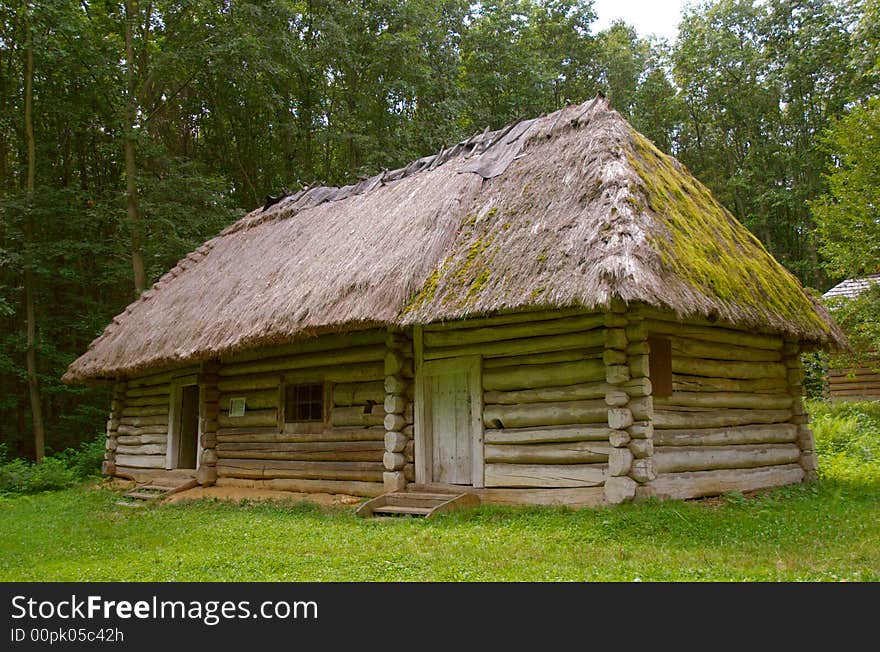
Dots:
{"x": 849, "y": 379}
{"x": 553, "y": 313}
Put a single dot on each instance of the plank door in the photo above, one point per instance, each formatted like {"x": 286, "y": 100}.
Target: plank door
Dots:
{"x": 453, "y": 414}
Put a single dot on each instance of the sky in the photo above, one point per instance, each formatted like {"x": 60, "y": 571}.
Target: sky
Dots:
{"x": 658, "y": 17}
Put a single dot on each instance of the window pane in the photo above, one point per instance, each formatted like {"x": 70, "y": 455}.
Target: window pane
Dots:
{"x": 304, "y": 403}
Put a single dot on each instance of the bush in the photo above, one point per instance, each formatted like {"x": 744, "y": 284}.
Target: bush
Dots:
{"x": 847, "y": 438}
{"x": 58, "y": 471}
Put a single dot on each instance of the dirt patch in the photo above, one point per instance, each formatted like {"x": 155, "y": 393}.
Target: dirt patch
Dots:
{"x": 236, "y": 494}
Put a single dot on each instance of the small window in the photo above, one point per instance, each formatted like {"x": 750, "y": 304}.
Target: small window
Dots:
{"x": 303, "y": 403}
{"x": 660, "y": 366}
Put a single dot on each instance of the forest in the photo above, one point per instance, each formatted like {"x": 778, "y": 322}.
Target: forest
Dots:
{"x": 132, "y": 131}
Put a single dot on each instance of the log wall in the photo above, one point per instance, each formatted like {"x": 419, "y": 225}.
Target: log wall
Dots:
{"x": 544, "y": 411}
{"x": 734, "y": 419}
{"x": 142, "y": 426}
{"x": 859, "y": 383}
{"x": 344, "y": 454}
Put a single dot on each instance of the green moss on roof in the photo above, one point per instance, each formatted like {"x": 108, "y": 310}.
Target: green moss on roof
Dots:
{"x": 706, "y": 247}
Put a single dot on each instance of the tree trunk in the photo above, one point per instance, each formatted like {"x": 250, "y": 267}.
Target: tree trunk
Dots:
{"x": 134, "y": 220}
{"x": 29, "y": 281}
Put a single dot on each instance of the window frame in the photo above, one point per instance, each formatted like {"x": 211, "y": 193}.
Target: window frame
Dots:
{"x": 303, "y": 427}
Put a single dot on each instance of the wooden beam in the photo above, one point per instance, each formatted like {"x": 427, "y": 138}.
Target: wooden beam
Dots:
{"x": 525, "y": 346}
{"x": 548, "y": 394}
{"x": 718, "y": 418}
{"x": 496, "y": 333}
{"x": 352, "y": 488}
{"x": 527, "y": 415}
{"x": 725, "y": 400}
{"x": 694, "y": 484}
{"x": 564, "y": 453}
{"x": 727, "y": 368}
{"x": 371, "y": 353}
{"x": 776, "y": 433}
{"x": 545, "y": 475}
{"x": 675, "y": 459}
{"x": 550, "y": 375}
{"x": 547, "y": 434}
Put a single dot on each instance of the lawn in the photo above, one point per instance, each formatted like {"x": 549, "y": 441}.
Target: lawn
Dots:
{"x": 826, "y": 531}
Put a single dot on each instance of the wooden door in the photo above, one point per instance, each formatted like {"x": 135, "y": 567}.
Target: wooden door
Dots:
{"x": 452, "y": 418}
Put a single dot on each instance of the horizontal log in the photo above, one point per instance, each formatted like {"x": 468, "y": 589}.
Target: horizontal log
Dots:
{"x": 568, "y": 355}
{"x": 136, "y": 440}
{"x": 713, "y": 334}
{"x": 143, "y": 392}
{"x": 271, "y": 435}
{"x": 458, "y": 337}
{"x": 685, "y": 383}
{"x": 500, "y": 320}
{"x": 545, "y": 475}
{"x": 676, "y": 459}
{"x": 352, "y": 488}
{"x": 526, "y": 346}
{"x": 547, "y": 434}
{"x": 243, "y": 468}
{"x": 161, "y": 429}
{"x": 564, "y": 453}
{"x": 229, "y": 448}
{"x": 251, "y": 382}
{"x": 348, "y": 394}
{"x": 694, "y": 484}
{"x": 251, "y": 418}
{"x": 854, "y": 392}
{"x": 368, "y": 415}
{"x": 525, "y": 415}
{"x": 776, "y": 433}
{"x": 548, "y": 394}
{"x": 867, "y": 384}
{"x": 160, "y": 378}
{"x": 550, "y": 375}
{"x": 253, "y": 400}
{"x": 715, "y": 351}
{"x": 330, "y": 342}
{"x": 856, "y": 398}
{"x": 144, "y": 421}
{"x": 322, "y": 456}
{"x": 727, "y": 368}
{"x": 147, "y": 401}
{"x": 141, "y": 461}
{"x": 718, "y": 418}
{"x": 147, "y": 411}
{"x": 371, "y": 353}
{"x": 854, "y": 372}
{"x": 143, "y": 449}
{"x": 572, "y": 498}
{"x": 725, "y": 400}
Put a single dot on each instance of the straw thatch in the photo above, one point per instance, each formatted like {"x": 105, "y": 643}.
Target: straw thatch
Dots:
{"x": 571, "y": 209}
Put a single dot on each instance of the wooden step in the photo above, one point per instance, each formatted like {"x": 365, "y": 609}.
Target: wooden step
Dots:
{"x": 155, "y": 492}
{"x": 401, "y": 509}
{"x": 421, "y": 503}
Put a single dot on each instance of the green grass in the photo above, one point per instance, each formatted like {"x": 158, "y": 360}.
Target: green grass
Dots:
{"x": 825, "y": 531}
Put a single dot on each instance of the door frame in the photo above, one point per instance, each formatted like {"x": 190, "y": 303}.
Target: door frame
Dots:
{"x": 422, "y": 426}
{"x": 174, "y": 409}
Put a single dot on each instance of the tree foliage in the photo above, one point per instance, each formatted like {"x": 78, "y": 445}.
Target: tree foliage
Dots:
{"x": 231, "y": 101}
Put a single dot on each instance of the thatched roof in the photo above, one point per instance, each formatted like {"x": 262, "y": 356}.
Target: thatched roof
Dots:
{"x": 851, "y": 287}
{"x": 571, "y": 209}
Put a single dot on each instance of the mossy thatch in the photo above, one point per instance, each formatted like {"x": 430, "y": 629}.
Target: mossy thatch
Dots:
{"x": 571, "y": 209}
